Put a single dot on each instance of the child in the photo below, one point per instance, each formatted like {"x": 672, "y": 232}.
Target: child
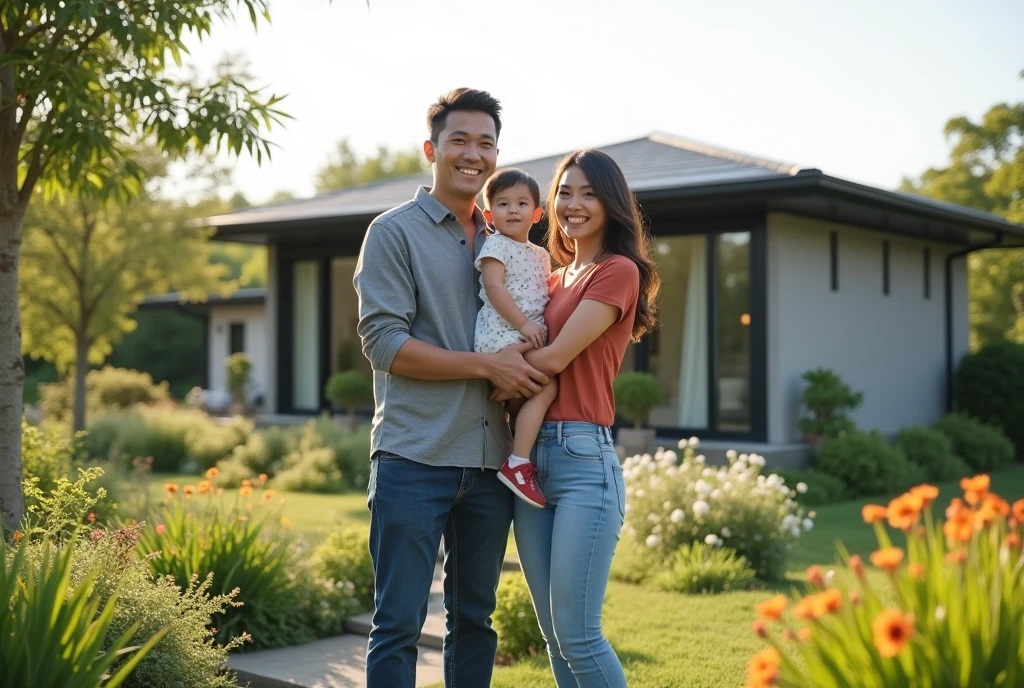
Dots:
{"x": 514, "y": 280}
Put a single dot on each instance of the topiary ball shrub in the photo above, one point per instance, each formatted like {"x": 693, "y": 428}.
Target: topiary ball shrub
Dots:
{"x": 990, "y": 387}
{"x": 515, "y": 621}
{"x": 933, "y": 452}
{"x": 984, "y": 447}
{"x": 867, "y": 464}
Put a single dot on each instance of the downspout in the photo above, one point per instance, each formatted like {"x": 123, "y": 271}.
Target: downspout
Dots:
{"x": 950, "y": 368}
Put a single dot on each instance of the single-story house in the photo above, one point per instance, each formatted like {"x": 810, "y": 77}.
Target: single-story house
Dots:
{"x": 231, "y": 324}
{"x": 768, "y": 269}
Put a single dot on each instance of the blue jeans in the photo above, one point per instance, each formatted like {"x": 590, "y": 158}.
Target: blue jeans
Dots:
{"x": 412, "y": 508}
{"x": 566, "y": 549}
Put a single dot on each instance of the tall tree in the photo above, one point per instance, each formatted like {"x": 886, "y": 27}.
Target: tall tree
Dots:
{"x": 80, "y": 81}
{"x": 87, "y": 261}
{"x": 345, "y": 168}
{"x": 986, "y": 171}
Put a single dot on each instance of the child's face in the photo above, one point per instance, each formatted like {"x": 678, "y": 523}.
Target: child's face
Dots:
{"x": 513, "y": 212}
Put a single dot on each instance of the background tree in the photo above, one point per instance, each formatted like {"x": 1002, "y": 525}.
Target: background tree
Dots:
{"x": 986, "y": 171}
{"x": 345, "y": 169}
{"x": 80, "y": 82}
{"x": 87, "y": 261}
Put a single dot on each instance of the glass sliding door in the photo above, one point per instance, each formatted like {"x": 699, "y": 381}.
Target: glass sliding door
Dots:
{"x": 732, "y": 325}
{"x": 306, "y": 335}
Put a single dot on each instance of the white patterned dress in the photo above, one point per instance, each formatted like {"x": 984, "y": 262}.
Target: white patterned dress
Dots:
{"x": 527, "y": 267}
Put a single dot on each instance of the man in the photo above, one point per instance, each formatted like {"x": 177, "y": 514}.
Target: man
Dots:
{"x": 437, "y": 439}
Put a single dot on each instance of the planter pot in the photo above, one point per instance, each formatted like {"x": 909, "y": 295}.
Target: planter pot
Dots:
{"x": 635, "y": 440}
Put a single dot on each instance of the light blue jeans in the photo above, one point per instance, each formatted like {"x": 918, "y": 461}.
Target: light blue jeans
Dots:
{"x": 566, "y": 549}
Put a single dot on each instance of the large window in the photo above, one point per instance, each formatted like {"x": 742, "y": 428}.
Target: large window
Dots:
{"x": 701, "y": 354}
{"x": 732, "y": 323}
{"x": 306, "y": 336}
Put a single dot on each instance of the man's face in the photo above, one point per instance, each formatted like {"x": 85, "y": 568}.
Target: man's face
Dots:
{"x": 465, "y": 153}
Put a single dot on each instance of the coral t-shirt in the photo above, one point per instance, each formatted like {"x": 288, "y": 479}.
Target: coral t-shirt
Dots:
{"x": 585, "y": 386}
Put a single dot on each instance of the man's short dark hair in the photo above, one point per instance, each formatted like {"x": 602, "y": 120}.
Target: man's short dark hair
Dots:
{"x": 462, "y": 99}
{"x": 508, "y": 178}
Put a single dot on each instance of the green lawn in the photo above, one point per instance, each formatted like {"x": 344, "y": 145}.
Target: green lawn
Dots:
{"x": 664, "y": 639}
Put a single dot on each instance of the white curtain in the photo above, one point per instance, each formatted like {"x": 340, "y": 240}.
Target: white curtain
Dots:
{"x": 693, "y": 369}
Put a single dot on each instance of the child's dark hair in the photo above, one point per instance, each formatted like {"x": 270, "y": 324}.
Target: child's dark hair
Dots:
{"x": 508, "y": 178}
{"x": 625, "y": 233}
{"x": 462, "y": 99}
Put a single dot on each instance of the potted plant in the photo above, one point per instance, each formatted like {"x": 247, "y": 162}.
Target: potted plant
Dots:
{"x": 347, "y": 389}
{"x": 239, "y": 370}
{"x": 636, "y": 394}
{"x": 827, "y": 400}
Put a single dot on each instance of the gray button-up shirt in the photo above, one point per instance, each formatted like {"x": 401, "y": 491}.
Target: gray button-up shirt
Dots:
{"x": 415, "y": 279}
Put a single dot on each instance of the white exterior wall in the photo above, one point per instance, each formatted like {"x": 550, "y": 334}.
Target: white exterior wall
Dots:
{"x": 254, "y": 316}
{"x": 891, "y": 348}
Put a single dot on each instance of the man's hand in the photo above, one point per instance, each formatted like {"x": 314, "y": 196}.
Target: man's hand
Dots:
{"x": 510, "y": 373}
{"x": 533, "y": 333}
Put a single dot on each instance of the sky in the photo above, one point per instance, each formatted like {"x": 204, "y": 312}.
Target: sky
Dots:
{"x": 861, "y": 90}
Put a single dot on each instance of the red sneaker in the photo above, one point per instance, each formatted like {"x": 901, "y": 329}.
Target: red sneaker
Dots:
{"x": 522, "y": 480}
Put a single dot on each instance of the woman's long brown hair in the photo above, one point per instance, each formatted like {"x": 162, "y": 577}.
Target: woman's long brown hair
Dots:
{"x": 625, "y": 233}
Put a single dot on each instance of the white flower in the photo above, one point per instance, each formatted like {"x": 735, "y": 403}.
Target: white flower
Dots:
{"x": 726, "y": 532}
{"x": 712, "y": 540}
{"x": 789, "y": 521}
{"x": 795, "y": 531}
{"x": 702, "y": 488}
{"x": 653, "y": 540}
{"x": 716, "y": 494}
{"x": 830, "y": 576}
{"x": 671, "y": 456}
{"x": 940, "y": 613}
{"x": 801, "y": 488}
{"x": 677, "y": 516}
{"x": 682, "y": 444}
{"x": 731, "y": 454}
{"x": 701, "y": 509}
{"x": 653, "y": 518}
{"x": 693, "y": 441}
{"x": 639, "y": 493}
{"x": 808, "y": 524}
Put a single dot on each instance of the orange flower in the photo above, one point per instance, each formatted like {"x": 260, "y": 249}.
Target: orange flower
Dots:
{"x": 772, "y": 608}
{"x": 1018, "y": 510}
{"x": 975, "y": 488}
{"x": 808, "y": 609}
{"x": 189, "y": 490}
{"x": 959, "y": 525}
{"x": 830, "y": 601}
{"x": 245, "y": 490}
{"x": 857, "y": 566}
{"x": 927, "y": 493}
{"x": 204, "y": 487}
{"x": 17, "y": 535}
{"x": 916, "y": 570}
{"x": 161, "y": 529}
{"x": 957, "y": 556}
{"x": 212, "y": 472}
{"x": 904, "y": 511}
{"x": 873, "y": 513}
{"x": 268, "y": 495}
{"x": 855, "y": 598}
{"x": 246, "y": 483}
{"x": 1013, "y": 541}
{"x": 888, "y": 558}
{"x": 763, "y": 669}
{"x": 816, "y": 577}
{"x": 992, "y": 507}
{"x": 892, "y": 629}
{"x": 760, "y": 630}
{"x": 171, "y": 487}
{"x": 804, "y": 634}
{"x": 263, "y": 478}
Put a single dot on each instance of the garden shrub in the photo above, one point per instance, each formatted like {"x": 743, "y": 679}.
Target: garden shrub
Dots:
{"x": 933, "y": 452}
{"x": 240, "y": 541}
{"x": 45, "y": 455}
{"x": 262, "y": 452}
{"x": 867, "y": 464}
{"x": 351, "y": 448}
{"x": 946, "y": 612}
{"x": 309, "y": 469}
{"x": 990, "y": 387}
{"x": 344, "y": 556}
{"x": 984, "y": 447}
{"x": 671, "y": 503}
{"x": 187, "y": 655}
{"x": 813, "y": 487}
{"x": 105, "y": 388}
{"x": 826, "y": 400}
{"x": 208, "y": 442}
{"x": 515, "y": 620}
{"x": 700, "y": 568}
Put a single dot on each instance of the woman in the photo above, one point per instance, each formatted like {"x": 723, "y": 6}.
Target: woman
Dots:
{"x": 603, "y": 297}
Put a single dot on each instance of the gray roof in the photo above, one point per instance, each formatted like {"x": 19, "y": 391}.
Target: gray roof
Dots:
{"x": 663, "y": 171}
{"x": 245, "y": 295}
{"x": 657, "y": 161}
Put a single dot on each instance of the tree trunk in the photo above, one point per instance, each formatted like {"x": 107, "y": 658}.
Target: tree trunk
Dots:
{"x": 81, "y": 368}
{"x": 12, "y": 372}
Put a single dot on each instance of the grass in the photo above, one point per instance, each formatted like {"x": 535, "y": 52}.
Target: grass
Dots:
{"x": 663, "y": 639}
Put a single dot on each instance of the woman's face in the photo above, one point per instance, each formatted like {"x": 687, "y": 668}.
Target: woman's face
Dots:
{"x": 581, "y": 216}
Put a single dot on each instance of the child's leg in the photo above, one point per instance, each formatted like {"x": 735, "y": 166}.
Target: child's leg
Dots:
{"x": 529, "y": 418}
